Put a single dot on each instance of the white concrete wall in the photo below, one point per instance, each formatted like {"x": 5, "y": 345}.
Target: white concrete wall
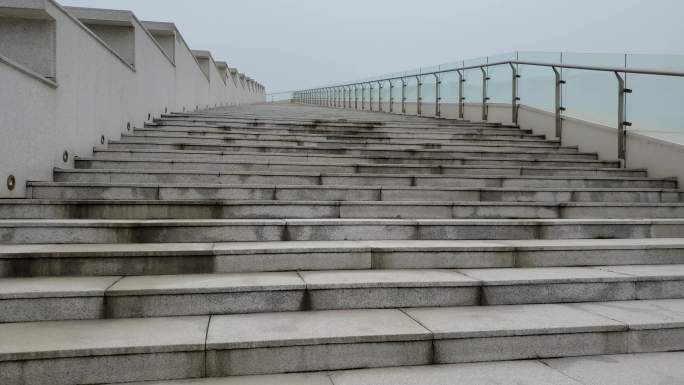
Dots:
{"x": 96, "y": 92}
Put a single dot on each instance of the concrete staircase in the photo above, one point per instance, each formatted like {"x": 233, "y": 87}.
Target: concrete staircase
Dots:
{"x": 277, "y": 239}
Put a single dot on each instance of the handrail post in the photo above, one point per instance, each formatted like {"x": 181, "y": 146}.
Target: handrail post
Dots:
{"x": 514, "y": 91}
{"x": 380, "y": 96}
{"x": 485, "y": 98}
{"x": 363, "y": 97}
{"x": 348, "y": 96}
{"x": 461, "y": 99}
{"x": 403, "y": 95}
{"x": 438, "y": 95}
{"x": 622, "y": 120}
{"x": 558, "y": 107}
{"x": 391, "y": 96}
{"x": 370, "y": 96}
{"x": 419, "y": 97}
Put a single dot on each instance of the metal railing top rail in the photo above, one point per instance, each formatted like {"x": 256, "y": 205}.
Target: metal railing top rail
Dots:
{"x": 638, "y": 71}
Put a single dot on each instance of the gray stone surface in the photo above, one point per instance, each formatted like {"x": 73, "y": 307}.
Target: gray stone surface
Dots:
{"x": 206, "y": 283}
{"x": 242, "y": 225}
{"x": 640, "y": 315}
{"x": 54, "y": 287}
{"x": 515, "y": 320}
{"x": 624, "y": 369}
{"x": 63, "y": 339}
{"x": 306, "y": 328}
{"x": 318, "y": 280}
{"x": 628, "y": 369}
{"x": 272, "y": 379}
{"x": 519, "y": 373}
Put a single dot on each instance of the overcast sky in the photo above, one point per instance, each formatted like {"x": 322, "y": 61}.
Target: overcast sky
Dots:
{"x": 289, "y": 44}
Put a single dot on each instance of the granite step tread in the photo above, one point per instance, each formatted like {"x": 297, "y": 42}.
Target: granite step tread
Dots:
{"x": 244, "y": 293}
{"x": 102, "y": 152}
{"x": 185, "y": 164}
{"x": 230, "y": 344}
{"x": 623, "y": 369}
{"x": 276, "y": 209}
{"x": 47, "y": 231}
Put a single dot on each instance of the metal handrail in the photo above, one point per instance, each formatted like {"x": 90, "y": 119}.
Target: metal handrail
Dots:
{"x": 316, "y": 95}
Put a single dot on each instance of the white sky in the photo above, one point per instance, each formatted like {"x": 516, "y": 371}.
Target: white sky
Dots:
{"x": 289, "y": 44}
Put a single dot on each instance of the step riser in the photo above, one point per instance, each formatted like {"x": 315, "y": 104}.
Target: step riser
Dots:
{"x": 326, "y": 180}
{"x": 321, "y": 211}
{"x": 180, "y": 156}
{"x": 317, "y": 194}
{"x": 308, "y": 133}
{"x": 340, "y": 145}
{"x": 135, "y": 264}
{"x": 406, "y": 140}
{"x": 104, "y": 369}
{"x": 303, "y": 232}
{"x": 476, "y": 129}
{"x": 179, "y": 166}
{"x": 317, "y": 358}
{"x": 528, "y": 154}
{"x": 107, "y": 306}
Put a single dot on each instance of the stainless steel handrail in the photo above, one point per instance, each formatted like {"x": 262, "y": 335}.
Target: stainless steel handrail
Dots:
{"x": 317, "y": 95}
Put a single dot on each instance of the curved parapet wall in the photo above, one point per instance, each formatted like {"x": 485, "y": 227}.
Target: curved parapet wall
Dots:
{"x": 76, "y": 77}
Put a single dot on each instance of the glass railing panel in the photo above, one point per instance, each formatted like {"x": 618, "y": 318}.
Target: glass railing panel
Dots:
{"x": 449, "y": 89}
{"x": 385, "y": 94}
{"x": 499, "y": 86}
{"x": 537, "y": 85}
{"x": 411, "y": 89}
{"x": 472, "y": 88}
{"x": 655, "y": 105}
{"x": 591, "y": 95}
{"x": 428, "y": 91}
{"x": 410, "y": 95}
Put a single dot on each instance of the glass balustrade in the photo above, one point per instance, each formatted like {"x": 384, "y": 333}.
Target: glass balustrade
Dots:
{"x": 653, "y": 102}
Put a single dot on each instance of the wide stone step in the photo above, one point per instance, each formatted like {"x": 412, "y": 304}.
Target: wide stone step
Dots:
{"x": 617, "y": 369}
{"x": 357, "y": 138}
{"x": 45, "y": 231}
{"x": 180, "y": 139}
{"x": 387, "y": 127}
{"x": 323, "y": 116}
{"x": 358, "y": 131}
{"x": 347, "y": 167}
{"x": 354, "y": 179}
{"x": 151, "y": 191}
{"x": 369, "y": 121}
{"x": 69, "y": 298}
{"x": 238, "y": 257}
{"x": 355, "y": 150}
{"x": 377, "y": 126}
{"x": 103, "y": 153}
{"x": 274, "y": 209}
{"x": 97, "y": 351}
{"x": 254, "y": 132}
